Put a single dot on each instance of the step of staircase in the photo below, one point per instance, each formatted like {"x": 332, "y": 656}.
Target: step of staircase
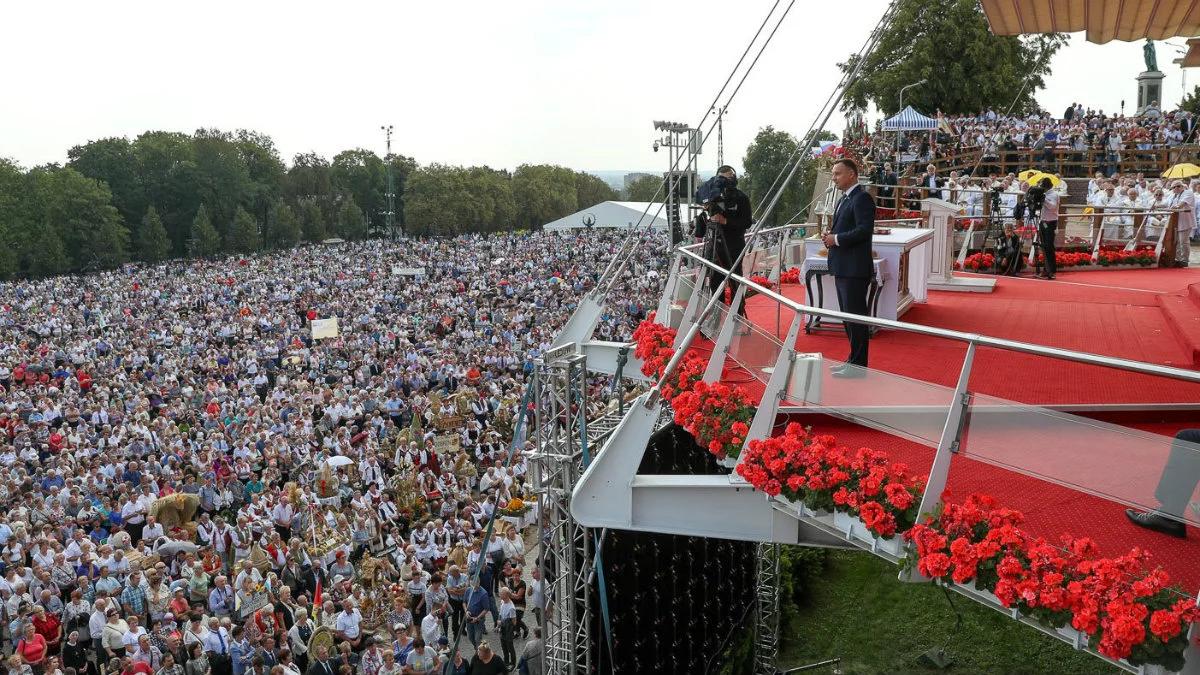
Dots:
{"x": 1182, "y": 312}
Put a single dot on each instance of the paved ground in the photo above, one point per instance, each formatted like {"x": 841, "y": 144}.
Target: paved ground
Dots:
{"x": 493, "y": 635}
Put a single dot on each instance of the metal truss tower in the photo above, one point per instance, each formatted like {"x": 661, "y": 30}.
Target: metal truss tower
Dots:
{"x": 766, "y": 614}
{"x": 560, "y": 390}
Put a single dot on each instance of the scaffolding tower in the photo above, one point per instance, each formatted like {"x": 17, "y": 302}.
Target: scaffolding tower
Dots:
{"x": 766, "y": 614}
{"x": 560, "y": 435}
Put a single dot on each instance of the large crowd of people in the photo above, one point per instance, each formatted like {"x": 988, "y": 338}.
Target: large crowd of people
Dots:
{"x": 1085, "y": 139}
{"x": 194, "y": 485}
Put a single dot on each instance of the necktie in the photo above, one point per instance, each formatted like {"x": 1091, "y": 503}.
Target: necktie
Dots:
{"x": 222, "y": 639}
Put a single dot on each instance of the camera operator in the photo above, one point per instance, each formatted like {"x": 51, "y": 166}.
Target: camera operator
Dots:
{"x": 728, "y": 217}
{"x": 1043, "y": 207}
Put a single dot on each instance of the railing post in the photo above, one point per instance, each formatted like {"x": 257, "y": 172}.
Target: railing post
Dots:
{"x": 951, "y": 437}
{"x": 693, "y": 307}
{"x": 663, "y": 317}
{"x": 716, "y": 361}
{"x": 768, "y": 406}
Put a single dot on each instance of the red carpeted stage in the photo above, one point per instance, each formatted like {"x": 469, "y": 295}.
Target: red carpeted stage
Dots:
{"x": 1143, "y": 315}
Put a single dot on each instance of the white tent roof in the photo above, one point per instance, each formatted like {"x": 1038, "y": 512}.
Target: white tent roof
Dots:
{"x": 614, "y": 214}
{"x": 1103, "y": 20}
{"x": 909, "y": 120}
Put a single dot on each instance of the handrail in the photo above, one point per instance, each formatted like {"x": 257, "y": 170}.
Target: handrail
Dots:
{"x": 970, "y": 338}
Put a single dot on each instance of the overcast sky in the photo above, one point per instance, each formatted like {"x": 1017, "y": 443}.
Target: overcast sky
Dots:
{"x": 496, "y": 83}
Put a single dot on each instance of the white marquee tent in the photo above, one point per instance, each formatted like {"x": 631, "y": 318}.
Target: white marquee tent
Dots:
{"x": 909, "y": 120}
{"x": 613, "y": 214}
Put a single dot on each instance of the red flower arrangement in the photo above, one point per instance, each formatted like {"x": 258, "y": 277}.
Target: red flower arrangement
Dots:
{"x": 762, "y": 281}
{"x": 655, "y": 345}
{"x": 1126, "y": 611}
{"x": 977, "y": 262}
{"x": 827, "y": 477}
{"x": 790, "y": 276}
{"x": 1142, "y": 257}
{"x": 717, "y": 415}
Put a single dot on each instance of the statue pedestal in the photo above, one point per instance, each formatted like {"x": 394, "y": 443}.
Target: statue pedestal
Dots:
{"x": 1149, "y": 89}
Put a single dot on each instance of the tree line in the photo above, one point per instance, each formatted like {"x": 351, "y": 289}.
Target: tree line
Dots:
{"x": 167, "y": 194}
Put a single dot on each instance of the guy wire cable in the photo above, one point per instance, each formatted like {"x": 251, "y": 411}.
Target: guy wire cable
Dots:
{"x": 691, "y": 157}
{"x": 840, "y": 92}
{"x": 628, "y": 237}
{"x": 608, "y": 282}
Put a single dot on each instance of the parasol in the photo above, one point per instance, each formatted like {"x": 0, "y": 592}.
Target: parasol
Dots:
{"x": 1185, "y": 170}
{"x": 339, "y": 460}
{"x": 1036, "y": 178}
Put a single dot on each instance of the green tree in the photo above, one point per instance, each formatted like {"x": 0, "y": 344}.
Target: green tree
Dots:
{"x": 222, "y": 179}
{"x": 590, "y": 190}
{"x": 205, "y": 240}
{"x": 49, "y": 255}
{"x": 263, "y": 167}
{"x": 12, "y": 187}
{"x": 151, "y": 239}
{"x": 243, "y": 234}
{"x": 445, "y": 200}
{"x": 168, "y": 173}
{"x": 283, "y": 228}
{"x": 361, "y": 174}
{"x": 645, "y": 189}
{"x": 80, "y": 210}
{"x": 309, "y": 177}
{"x": 1191, "y": 102}
{"x": 771, "y": 153}
{"x": 113, "y": 161}
{"x": 966, "y": 68}
{"x": 312, "y": 221}
{"x": 350, "y": 222}
{"x": 543, "y": 193}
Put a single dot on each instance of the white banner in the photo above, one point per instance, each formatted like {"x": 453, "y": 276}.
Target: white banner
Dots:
{"x": 324, "y": 328}
{"x": 408, "y": 271}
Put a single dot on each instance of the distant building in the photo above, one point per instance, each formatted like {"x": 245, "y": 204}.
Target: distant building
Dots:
{"x": 630, "y": 178}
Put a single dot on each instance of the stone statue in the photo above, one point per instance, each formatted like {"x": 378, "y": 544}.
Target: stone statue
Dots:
{"x": 1149, "y": 55}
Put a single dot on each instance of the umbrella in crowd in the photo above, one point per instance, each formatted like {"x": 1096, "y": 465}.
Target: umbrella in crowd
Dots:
{"x": 1185, "y": 170}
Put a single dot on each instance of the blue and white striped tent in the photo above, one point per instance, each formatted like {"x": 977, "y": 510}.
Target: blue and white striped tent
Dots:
{"x": 909, "y": 120}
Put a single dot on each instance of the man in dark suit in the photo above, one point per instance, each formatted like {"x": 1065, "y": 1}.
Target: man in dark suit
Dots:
{"x": 849, "y": 244}
{"x": 321, "y": 663}
{"x": 1175, "y": 487}
{"x": 931, "y": 183}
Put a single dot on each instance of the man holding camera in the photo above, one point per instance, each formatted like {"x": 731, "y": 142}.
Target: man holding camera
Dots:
{"x": 728, "y": 211}
{"x": 849, "y": 244}
{"x": 1043, "y": 204}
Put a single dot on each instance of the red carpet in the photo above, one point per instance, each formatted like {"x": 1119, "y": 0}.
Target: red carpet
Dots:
{"x": 1143, "y": 315}
{"x": 1087, "y": 317}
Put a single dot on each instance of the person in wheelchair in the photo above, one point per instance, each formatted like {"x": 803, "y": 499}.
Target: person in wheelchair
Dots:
{"x": 1008, "y": 252}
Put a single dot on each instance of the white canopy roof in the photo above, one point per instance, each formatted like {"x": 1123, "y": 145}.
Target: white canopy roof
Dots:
{"x": 1103, "y": 20}
{"x": 614, "y": 214}
{"x": 909, "y": 120}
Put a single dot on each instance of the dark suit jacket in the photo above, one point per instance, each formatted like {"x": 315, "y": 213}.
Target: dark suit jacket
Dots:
{"x": 853, "y": 225}
{"x": 316, "y": 668}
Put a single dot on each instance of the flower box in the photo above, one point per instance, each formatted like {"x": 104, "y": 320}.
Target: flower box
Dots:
{"x": 727, "y": 462}
{"x": 1078, "y": 639}
{"x": 854, "y": 529}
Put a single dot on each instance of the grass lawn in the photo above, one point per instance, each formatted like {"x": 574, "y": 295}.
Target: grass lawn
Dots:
{"x": 857, "y": 610}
